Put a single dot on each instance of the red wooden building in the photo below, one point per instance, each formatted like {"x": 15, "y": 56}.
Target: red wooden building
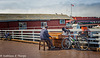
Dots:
{"x": 31, "y": 21}
{"x": 88, "y": 21}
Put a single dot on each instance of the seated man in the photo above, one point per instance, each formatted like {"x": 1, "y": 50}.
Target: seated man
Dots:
{"x": 45, "y": 36}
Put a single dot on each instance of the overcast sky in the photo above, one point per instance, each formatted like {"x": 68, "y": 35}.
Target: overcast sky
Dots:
{"x": 81, "y": 7}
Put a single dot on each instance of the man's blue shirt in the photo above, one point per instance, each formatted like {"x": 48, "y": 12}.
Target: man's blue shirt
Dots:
{"x": 44, "y": 34}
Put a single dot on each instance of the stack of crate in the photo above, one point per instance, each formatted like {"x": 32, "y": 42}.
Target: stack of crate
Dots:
{"x": 57, "y": 38}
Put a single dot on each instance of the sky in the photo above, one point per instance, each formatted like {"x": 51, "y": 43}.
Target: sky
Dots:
{"x": 84, "y": 8}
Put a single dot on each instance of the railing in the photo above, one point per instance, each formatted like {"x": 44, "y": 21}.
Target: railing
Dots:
{"x": 34, "y": 34}
{"x": 30, "y": 34}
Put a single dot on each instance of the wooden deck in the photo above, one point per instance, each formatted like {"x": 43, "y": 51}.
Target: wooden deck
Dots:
{"x": 12, "y": 49}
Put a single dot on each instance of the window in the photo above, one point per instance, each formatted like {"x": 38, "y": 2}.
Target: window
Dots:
{"x": 62, "y": 21}
{"x": 22, "y": 25}
{"x": 43, "y": 24}
{"x": 68, "y": 25}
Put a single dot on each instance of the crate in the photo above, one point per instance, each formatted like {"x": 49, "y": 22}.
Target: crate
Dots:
{"x": 57, "y": 43}
{"x": 57, "y": 35}
{"x": 57, "y": 38}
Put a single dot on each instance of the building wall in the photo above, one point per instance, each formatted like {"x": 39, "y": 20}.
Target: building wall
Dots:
{"x": 53, "y": 24}
{"x": 86, "y": 18}
{"x": 3, "y": 25}
{"x": 13, "y": 24}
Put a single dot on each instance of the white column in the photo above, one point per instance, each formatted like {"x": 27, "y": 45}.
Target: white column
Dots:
{"x": 99, "y": 39}
{"x": 5, "y": 32}
{"x": 22, "y": 35}
{"x": 13, "y": 34}
{"x": 0, "y": 34}
{"x": 33, "y": 35}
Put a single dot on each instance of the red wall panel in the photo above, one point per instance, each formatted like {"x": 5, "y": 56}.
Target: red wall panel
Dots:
{"x": 13, "y": 24}
{"x": 33, "y": 23}
{"x": 55, "y": 23}
{"x": 49, "y": 23}
{"x": 3, "y": 25}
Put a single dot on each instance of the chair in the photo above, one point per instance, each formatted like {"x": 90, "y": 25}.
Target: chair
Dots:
{"x": 40, "y": 45}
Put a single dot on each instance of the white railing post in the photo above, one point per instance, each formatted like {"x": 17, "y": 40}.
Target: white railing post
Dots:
{"x": 5, "y": 32}
{"x": 99, "y": 38}
{"x": 0, "y": 34}
{"x": 22, "y": 35}
{"x": 33, "y": 35}
{"x": 13, "y": 34}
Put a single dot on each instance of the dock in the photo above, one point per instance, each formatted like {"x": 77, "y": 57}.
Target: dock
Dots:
{"x": 30, "y": 50}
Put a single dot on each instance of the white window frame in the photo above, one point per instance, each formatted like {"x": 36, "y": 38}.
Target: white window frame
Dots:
{"x": 62, "y": 21}
{"x": 43, "y": 24}
{"x": 22, "y": 25}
